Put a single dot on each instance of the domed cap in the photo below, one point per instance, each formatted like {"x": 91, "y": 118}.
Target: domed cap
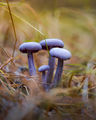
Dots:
{"x": 60, "y": 53}
{"x": 30, "y": 47}
{"x": 43, "y": 68}
{"x": 52, "y": 43}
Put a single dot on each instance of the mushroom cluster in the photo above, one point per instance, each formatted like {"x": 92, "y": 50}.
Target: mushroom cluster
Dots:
{"x": 56, "y": 50}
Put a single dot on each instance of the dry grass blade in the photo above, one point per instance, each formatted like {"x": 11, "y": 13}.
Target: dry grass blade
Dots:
{"x": 26, "y": 90}
{"x": 12, "y": 3}
{"x": 13, "y": 28}
{"x": 63, "y": 104}
{"x": 70, "y": 80}
{"x": 4, "y": 85}
{"x": 33, "y": 11}
{"x": 4, "y": 51}
{"x": 24, "y": 21}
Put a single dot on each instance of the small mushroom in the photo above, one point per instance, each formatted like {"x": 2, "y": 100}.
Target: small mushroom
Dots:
{"x": 43, "y": 69}
{"x": 62, "y": 55}
{"x": 30, "y": 48}
{"x": 48, "y": 44}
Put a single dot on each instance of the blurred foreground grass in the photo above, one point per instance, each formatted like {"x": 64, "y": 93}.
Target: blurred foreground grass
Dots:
{"x": 77, "y": 28}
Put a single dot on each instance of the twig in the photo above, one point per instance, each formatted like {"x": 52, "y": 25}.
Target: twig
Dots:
{"x": 6, "y": 54}
{"x": 9, "y": 60}
{"x": 89, "y": 115}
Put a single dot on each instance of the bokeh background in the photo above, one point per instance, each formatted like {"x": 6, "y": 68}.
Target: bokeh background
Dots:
{"x": 72, "y": 21}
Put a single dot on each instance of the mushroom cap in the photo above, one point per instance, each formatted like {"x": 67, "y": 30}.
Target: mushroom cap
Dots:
{"x": 43, "y": 68}
{"x": 52, "y": 43}
{"x": 60, "y": 53}
{"x": 30, "y": 47}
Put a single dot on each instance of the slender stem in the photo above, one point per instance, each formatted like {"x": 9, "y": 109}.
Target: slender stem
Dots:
{"x": 43, "y": 79}
{"x": 51, "y": 70}
{"x": 13, "y": 28}
{"x": 58, "y": 73}
{"x": 32, "y": 69}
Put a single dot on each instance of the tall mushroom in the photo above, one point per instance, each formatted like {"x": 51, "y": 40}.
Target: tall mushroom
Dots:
{"x": 48, "y": 44}
{"x": 43, "y": 69}
{"x": 62, "y": 55}
{"x": 30, "y": 48}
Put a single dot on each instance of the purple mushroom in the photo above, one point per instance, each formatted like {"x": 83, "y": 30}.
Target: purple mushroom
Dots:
{"x": 48, "y": 44}
{"x": 43, "y": 69}
{"x": 62, "y": 55}
{"x": 30, "y": 48}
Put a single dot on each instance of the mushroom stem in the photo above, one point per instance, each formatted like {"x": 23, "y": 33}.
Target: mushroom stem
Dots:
{"x": 58, "y": 73}
{"x": 51, "y": 70}
{"x": 32, "y": 69}
{"x": 43, "y": 79}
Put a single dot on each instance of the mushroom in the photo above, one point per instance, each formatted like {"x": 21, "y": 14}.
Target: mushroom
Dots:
{"x": 48, "y": 44}
{"x": 43, "y": 69}
{"x": 62, "y": 55}
{"x": 30, "y": 48}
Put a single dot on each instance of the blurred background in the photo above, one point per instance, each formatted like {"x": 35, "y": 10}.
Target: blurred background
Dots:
{"x": 48, "y": 4}
{"x": 72, "y": 21}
